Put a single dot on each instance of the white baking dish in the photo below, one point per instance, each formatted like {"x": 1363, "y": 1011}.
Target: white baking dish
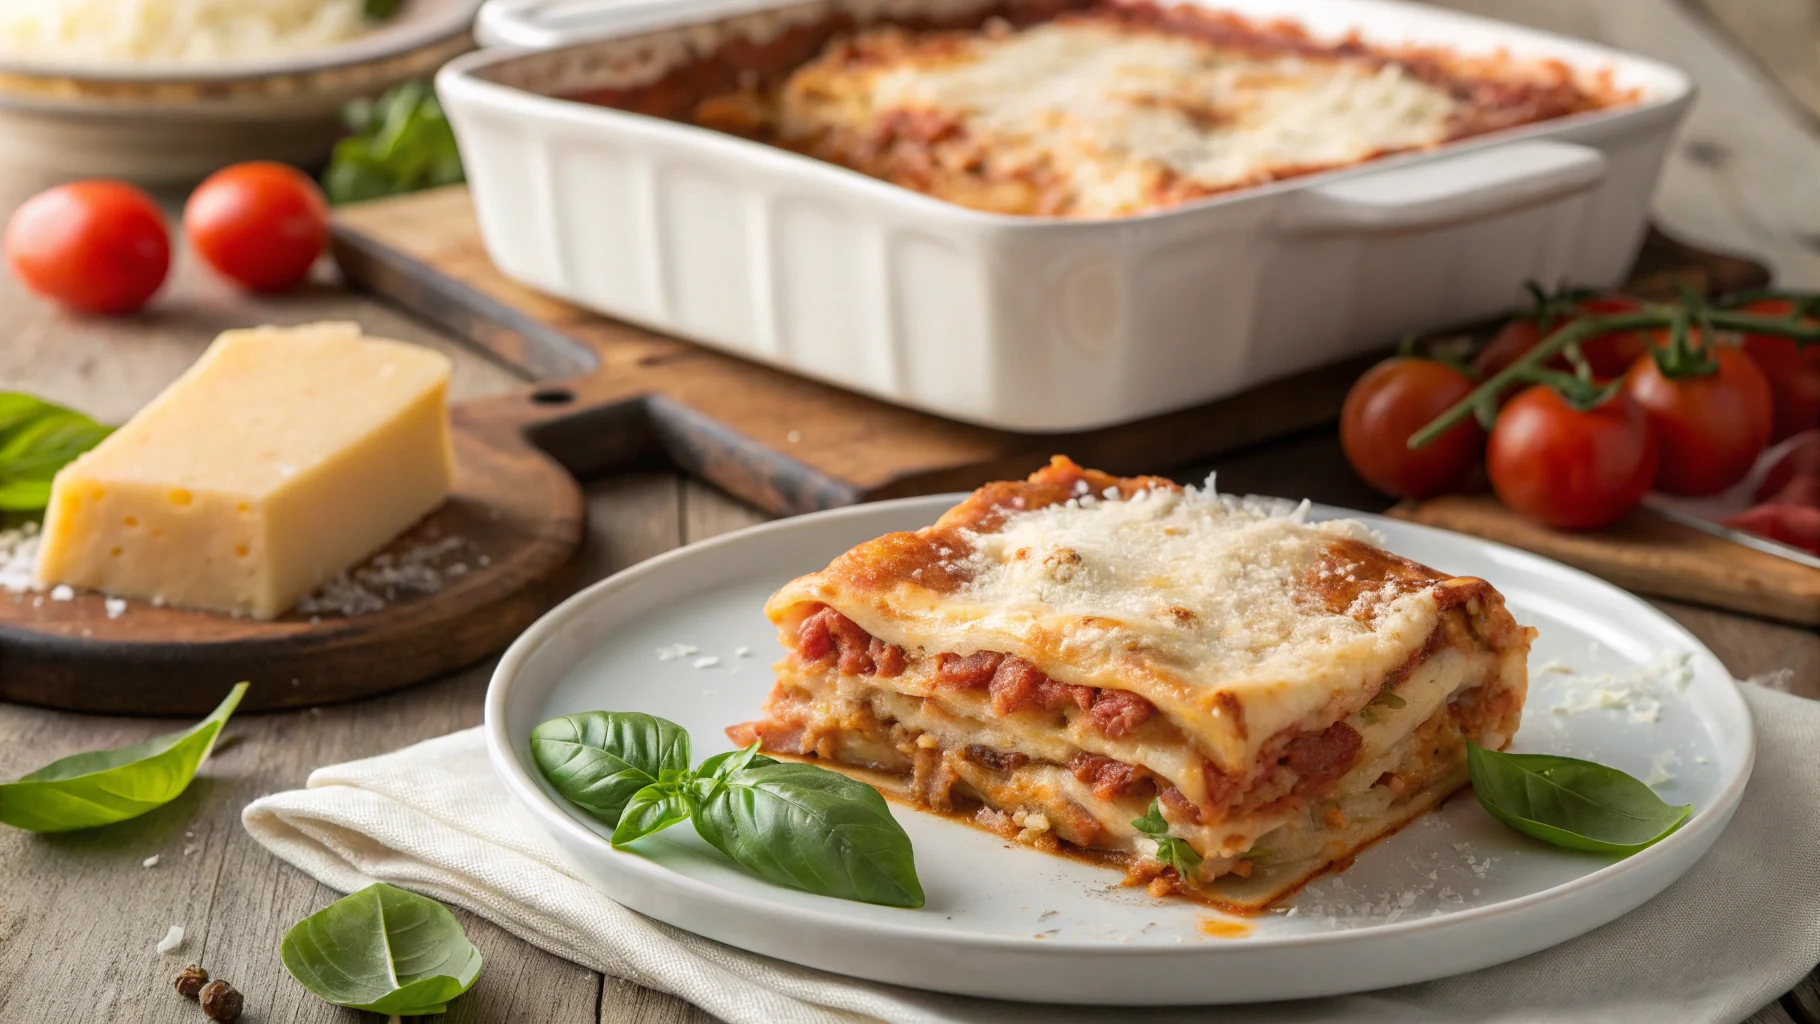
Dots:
{"x": 1031, "y": 323}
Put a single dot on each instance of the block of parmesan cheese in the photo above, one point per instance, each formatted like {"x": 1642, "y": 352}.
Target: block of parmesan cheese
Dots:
{"x": 282, "y": 458}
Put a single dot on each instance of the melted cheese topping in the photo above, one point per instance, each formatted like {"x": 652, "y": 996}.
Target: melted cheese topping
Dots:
{"x": 1202, "y": 604}
{"x": 1113, "y": 119}
{"x": 1091, "y": 99}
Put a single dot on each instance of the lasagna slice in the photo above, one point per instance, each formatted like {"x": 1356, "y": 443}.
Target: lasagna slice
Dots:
{"x": 1055, "y": 654}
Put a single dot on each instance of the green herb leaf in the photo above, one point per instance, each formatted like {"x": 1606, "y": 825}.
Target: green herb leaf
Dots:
{"x": 718, "y": 767}
{"x": 382, "y": 949}
{"x": 37, "y": 439}
{"x": 652, "y": 809}
{"x": 1170, "y": 850}
{"x": 793, "y": 824}
{"x": 379, "y": 10}
{"x": 402, "y": 143}
{"x": 598, "y": 760}
{"x": 813, "y": 829}
{"x": 105, "y": 786}
{"x": 1579, "y": 805}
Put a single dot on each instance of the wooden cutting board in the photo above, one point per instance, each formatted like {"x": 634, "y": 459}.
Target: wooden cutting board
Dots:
{"x": 1646, "y": 553}
{"x": 609, "y": 395}
{"x": 503, "y": 543}
{"x": 783, "y": 443}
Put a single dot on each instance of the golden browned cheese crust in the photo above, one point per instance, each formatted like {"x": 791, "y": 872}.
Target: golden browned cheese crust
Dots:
{"x": 1119, "y": 108}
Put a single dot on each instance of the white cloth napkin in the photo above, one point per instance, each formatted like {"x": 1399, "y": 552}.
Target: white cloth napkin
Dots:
{"x": 1733, "y": 934}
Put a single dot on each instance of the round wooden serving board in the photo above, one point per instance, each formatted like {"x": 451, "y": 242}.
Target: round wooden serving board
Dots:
{"x": 518, "y": 515}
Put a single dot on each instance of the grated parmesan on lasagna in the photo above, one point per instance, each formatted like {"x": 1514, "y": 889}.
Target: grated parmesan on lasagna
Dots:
{"x": 1116, "y": 107}
{"x": 1055, "y": 654}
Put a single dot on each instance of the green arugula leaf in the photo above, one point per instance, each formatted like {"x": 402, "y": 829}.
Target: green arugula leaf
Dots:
{"x": 382, "y": 949}
{"x": 599, "y": 759}
{"x": 653, "y": 809}
{"x": 401, "y": 143}
{"x": 105, "y": 786}
{"x": 37, "y": 439}
{"x": 813, "y": 829}
{"x": 1170, "y": 850}
{"x": 1579, "y": 805}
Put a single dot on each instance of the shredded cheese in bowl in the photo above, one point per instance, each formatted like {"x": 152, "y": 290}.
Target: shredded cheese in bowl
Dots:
{"x": 180, "y": 30}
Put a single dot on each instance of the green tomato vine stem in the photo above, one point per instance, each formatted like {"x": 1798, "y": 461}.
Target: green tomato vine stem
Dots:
{"x": 1529, "y": 368}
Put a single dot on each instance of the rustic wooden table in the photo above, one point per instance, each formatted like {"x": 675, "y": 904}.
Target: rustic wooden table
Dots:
{"x": 79, "y": 915}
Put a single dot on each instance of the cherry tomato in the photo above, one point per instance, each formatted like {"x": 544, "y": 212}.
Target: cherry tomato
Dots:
{"x": 1800, "y": 461}
{"x": 1570, "y": 468}
{"x": 1711, "y": 427}
{"x": 1393, "y": 400}
{"x": 1793, "y": 525}
{"x": 1609, "y": 355}
{"x": 1793, "y": 372}
{"x": 97, "y": 246}
{"x": 260, "y": 223}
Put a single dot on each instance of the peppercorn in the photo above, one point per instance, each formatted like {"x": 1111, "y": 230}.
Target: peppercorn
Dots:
{"x": 220, "y": 1001}
{"x": 190, "y": 981}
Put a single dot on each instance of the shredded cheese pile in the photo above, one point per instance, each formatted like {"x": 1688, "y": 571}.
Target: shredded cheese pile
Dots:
{"x": 183, "y": 30}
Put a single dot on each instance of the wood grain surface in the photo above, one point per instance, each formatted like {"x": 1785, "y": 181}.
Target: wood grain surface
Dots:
{"x": 78, "y": 915}
{"x": 512, "y": 525}
{"x": 1646, "y": 553}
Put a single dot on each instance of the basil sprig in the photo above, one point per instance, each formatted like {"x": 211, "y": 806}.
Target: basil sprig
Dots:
{"x": 37, "y": 439}
{"x": 401, "y": 142}
{"x": 382, "y": 949}
{"x": 1171, "y": 850}
{"x": 1579, "y": 805}
{"x": 793, "y": 824}
{"x": 105, "y": 786}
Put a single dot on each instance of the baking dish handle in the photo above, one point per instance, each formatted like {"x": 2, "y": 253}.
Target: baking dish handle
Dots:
{"x": 1433, "y": 193}
{"x": 541, "y": 24}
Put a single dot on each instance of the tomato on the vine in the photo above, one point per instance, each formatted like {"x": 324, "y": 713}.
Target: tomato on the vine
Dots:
{"x": 260, "y": 223}
{"x": 97, "y": 246}
{"x": 1793, "y": 372}
{"x": 1609, "y": 355}
{"x": 1392, "y": 401}
{"x": 1570, "y": 467}
{"x": 1711, "y": 426}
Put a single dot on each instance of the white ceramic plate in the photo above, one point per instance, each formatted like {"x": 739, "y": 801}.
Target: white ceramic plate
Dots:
{"x": 1453, "y": 892}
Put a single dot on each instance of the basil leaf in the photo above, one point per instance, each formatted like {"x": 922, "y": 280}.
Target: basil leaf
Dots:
{"x": 382, "y": 949}
{"x": 402, "y": 143}
{"x": 105, "y": 786}
{"x": 597, "y": 760}
{"x": 1152, "y": 823}
{"x": 37, "y": 439}
{"x": 720, "y": 766}
{"x": 652, "y": 809}
{"x": 1579, "y": 805}
{"x": 812, "y": 829}
{"x": 1171, "y": 850}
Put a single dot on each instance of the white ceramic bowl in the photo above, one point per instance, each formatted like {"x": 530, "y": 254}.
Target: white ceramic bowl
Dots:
{"x": 168, "y": 122}
{"x": 1017, "y": 924}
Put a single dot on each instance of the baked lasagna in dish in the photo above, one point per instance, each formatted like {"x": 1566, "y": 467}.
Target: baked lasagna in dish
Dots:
{"x": 1117, "y": 107}
{"x": 1055, "y": 655}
